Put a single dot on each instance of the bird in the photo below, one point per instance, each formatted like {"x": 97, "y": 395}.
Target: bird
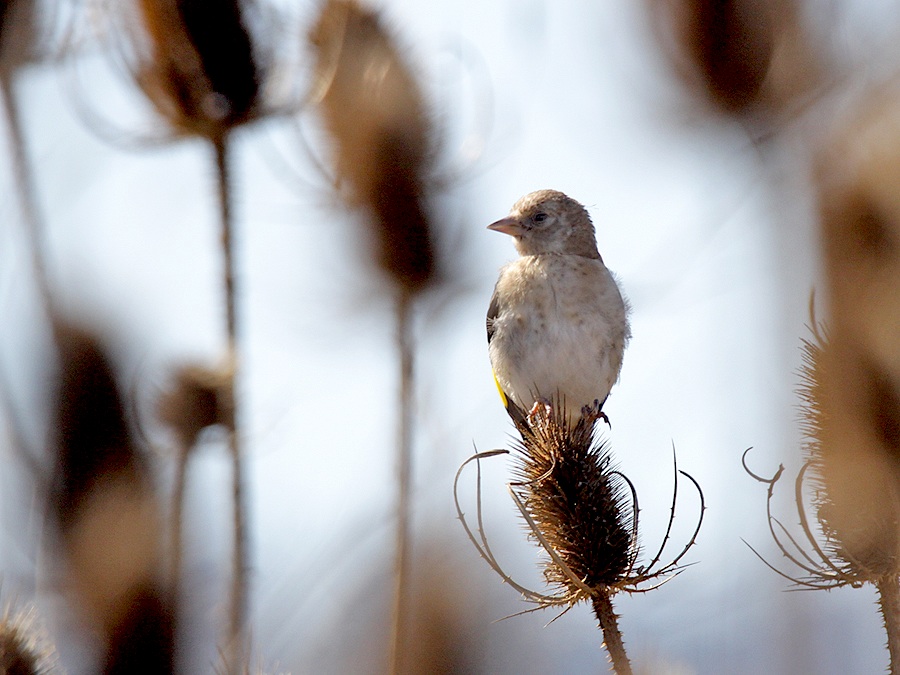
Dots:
{"x": 557, "y": 324}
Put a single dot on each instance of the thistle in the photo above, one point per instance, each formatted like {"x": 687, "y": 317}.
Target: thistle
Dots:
{"x": 24, "y": 647}
{"x": 375, "y": 114}
{"x": 583, "y": 513}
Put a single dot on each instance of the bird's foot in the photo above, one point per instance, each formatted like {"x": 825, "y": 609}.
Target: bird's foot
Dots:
{"x": 593, "y": 413}
{"x": 542, "y": 409}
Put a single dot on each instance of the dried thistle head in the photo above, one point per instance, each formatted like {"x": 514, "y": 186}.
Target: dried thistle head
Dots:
{"x": 743, "y": 56}
{"x": 93, "y": 444}
{"x": 102, "y": 499}
{"x": 858, "y": 383}
{"x": 197, "y": 64}
{"x": 579, "y": 504}
{"x": 581, "y": 510}
{"x": 24, "y": 647}
{"x": 198, "y": 398}
{"x": 19, "y": 21}
{"x": 375, "y": 114}
{"x": 143, "y": 639}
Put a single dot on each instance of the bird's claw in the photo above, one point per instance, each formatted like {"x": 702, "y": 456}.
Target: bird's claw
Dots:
{"x": 542, "y": 409}
{"x": 593, "y": 413}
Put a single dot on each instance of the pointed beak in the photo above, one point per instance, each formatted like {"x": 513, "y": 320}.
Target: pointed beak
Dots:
{"x": 509, "y": 226}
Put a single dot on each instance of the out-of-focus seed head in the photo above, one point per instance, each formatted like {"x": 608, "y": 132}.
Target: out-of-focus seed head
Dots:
{"x": 731, "y": 43}
{"x": 105, "y": 508}
{"x": 198, "y": 398}
{"x": 93, "y": 441}
{"x": 197, "y": 65}
{"x": 24, "y": 647}
{"x": 19, "y": 21}
{"x": 144, "y": 637}
{"x": 752, "y": 58}
{"x": 857, "y": 374}
{"x": 376, "y": 117}
{"x": 579, "y": 504}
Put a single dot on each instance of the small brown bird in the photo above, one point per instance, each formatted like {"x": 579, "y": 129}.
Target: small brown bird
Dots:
{"x": 557, "y": 324}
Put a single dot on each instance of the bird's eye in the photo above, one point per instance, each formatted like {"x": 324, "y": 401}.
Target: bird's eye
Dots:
{"x": 540, "y": 217}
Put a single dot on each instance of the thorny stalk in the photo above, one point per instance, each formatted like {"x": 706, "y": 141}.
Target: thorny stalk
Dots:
{"x": 236, "y": 648}
{"x": 612, "y": 636}
{"x": 404, "y": 481}
{"x": 889, "y": 601}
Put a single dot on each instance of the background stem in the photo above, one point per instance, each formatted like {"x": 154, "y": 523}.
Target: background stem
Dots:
{"x": 889, "y": 601}
{"x": 612, "y": 637}
{"x": 236, "y": 648}
{"x": 404, "y": 473}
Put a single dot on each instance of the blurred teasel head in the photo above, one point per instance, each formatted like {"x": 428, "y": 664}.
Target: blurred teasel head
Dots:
{"x": 94, "y": 444}
{"x": 18, "y": 33}
{"x": 375, "y": 114}
{"x": 24, "y": 647}
{"x": 745, "y": 57}
{"x": 197, "y": 398}
{"x": 197, "y": 63}
{"x": 857, "y": 372}
{"x": 106, "y": 511}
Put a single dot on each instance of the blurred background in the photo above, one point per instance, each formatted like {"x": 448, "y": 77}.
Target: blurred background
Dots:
{"x": 704, "y": 208}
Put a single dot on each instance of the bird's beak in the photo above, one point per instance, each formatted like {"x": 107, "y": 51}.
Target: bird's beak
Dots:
{"x": 509, "y": 226}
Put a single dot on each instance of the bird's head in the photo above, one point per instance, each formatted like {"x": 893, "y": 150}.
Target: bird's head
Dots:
{"x": 548, "y": 221}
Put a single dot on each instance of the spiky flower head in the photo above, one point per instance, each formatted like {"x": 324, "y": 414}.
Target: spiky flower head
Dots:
{"x": 24, "y": 647}
{"x": 579, "y": 504}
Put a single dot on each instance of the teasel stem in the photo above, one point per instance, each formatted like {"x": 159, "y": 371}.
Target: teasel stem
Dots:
{"x": 177, "y": 526}
{"x": 25, "y": 189}
{"x": 236, "y": 644}
{"x": 889, "y": 600}
{"x": 404, "y": 480}
{"x": 612, "y": 637}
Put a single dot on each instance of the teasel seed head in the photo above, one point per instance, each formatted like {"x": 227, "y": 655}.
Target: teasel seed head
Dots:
{"x": 197, "y": 398}
{"x": 858, "y": 383}
{"x": 197, "y": 64}
{"x": 375, "y": 114}
{"x": 24, "y": 646}
{"x": 105, "y": 509}
{"x": 94, "y": 443}
{"x": 753, "y": 59}
{"x": 19, "y": 21}
{"x": 580, "y": 505}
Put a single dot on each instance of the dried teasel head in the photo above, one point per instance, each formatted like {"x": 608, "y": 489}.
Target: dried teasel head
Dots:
{"x": 105, "y": 509}
{"x": 858, "y": 382}
{"x": 197, "y": 64}
{"x": 580, "y": 506}
{"x": 580, "y": 509}
{"x": 754, "y": 58}
{"x": 19, "y": 21}
{"x": 376, "y": 117}
{"x": 94, "y": 444}
{"x": 24, "y": 646}
{"x": 197, "y": 398}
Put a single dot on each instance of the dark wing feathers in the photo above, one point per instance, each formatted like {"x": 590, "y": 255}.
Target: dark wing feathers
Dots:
{"x": 493, "y": 311}
{"x": 515, "y": 412}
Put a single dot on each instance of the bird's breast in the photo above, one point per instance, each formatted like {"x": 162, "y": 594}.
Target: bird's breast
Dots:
{"x": 560, "y": 330}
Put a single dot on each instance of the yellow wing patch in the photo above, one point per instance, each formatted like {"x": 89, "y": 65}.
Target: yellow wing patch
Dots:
{"x": 500, "y": 389}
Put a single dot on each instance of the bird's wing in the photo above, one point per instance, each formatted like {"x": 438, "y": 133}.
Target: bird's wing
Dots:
{"x": 493, "y": 311}
{"x": 514, "y": 411}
